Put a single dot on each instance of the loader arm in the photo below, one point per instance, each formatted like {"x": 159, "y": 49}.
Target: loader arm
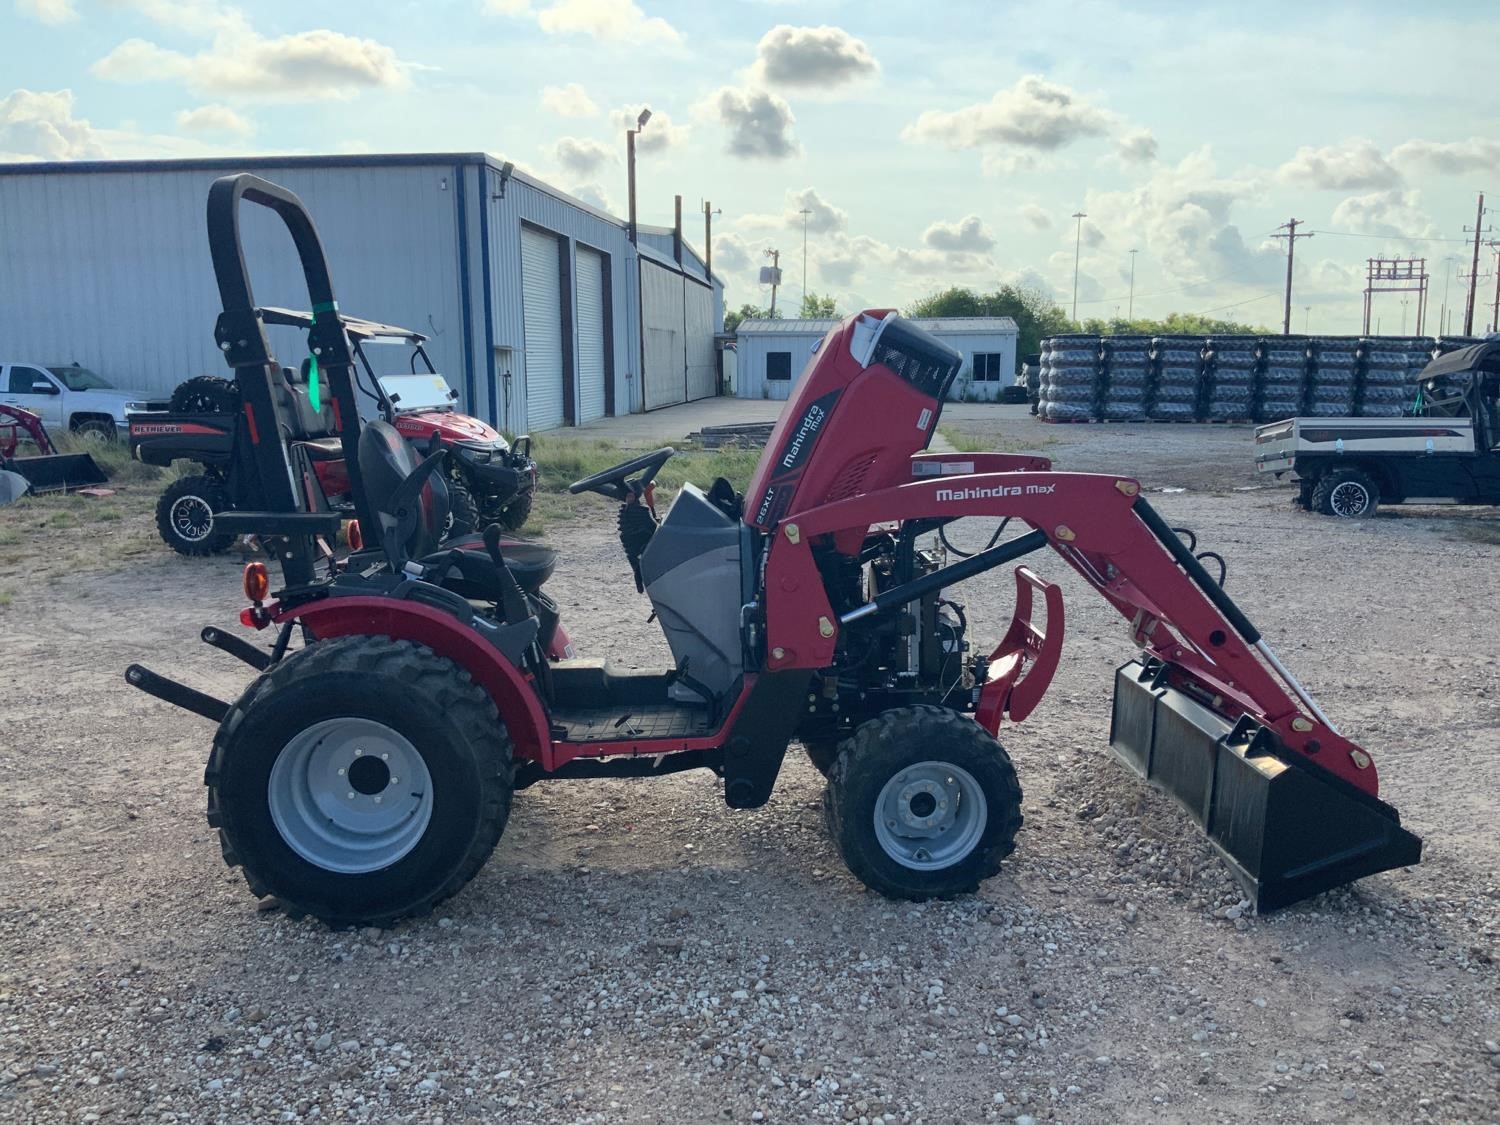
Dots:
{"x": 1106, "y": 531}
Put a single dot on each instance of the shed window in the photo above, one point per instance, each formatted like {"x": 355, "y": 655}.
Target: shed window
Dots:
{"x": 987, "y": 367}
{"x": 779, "y": 367}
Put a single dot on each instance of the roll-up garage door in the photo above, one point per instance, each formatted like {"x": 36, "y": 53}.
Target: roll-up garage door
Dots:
{"x": 591, "y": 344}
{"x": 698, "y": 333}
{"x": 541, "y": 311}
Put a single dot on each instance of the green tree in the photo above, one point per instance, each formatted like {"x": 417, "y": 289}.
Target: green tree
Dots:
{"x": 1036, "y": 314}
{"x": 817, "y": 306}
{"x": 732, "y": 317}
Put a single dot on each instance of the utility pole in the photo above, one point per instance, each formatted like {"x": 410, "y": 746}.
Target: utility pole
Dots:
{"x": 805, "y": 212}
{"x": 640, "y": 123}
{"x": 1404, "y": 302}
{"x": 708, "y": 238}
{"x": 1077, "y": 243}
{"x": 1479, "y": 229}
{"x": 775, "y": 256}
{"x": 1306, "y": 318}
{"x": 1130, "y": 308}
{"x": 1291, "y": 236}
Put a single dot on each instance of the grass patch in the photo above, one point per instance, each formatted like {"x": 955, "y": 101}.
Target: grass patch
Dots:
{"x": 563, "y": 461}
{"x": 1478, "y": 531}
{"x": 966, "y": 442}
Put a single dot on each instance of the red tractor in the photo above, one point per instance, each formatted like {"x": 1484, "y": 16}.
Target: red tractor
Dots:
{"x": 367, "y": 772}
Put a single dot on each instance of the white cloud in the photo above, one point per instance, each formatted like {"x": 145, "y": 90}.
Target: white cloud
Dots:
{"x": 304, "y": 66}
{"x": 1350, "y": 166}
{"x": 1136, "y": 147}
{"x": 48, "y": 11}
{"x": 1034, "y": 114}
{"x": 1477, "y": 154}
{"x": 1034, "y": 217}
{"x": 571, "y": 100}
{"x": 615, "y": 20}
{"x": 967, "y": 236}
{"x": 812, "y": 58}
{"x": 1393, "y": 214}
{"x": 592, "y": 193}
{"x": 825, "y": 217}
{"x": 732, "y": 254}
{"x": 759, "y": 123}
{"x": 214, "y": 119}
{"x": 39, "y": 125}
{"x": 582, "y": 157}
{"x": 660, "y": 133}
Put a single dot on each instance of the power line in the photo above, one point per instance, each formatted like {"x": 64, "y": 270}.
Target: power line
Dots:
{"x": 1384, "y": 237}
{"x": 1165, "y": 292}
{"x": 1237, "y": 304}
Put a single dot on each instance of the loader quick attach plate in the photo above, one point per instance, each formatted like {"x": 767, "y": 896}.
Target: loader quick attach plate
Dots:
{"x": 1288, "y": 829}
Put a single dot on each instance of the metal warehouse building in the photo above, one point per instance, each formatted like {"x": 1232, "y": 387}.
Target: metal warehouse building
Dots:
{"x": 770, "y": 355}
{"x": 540, "y": 311}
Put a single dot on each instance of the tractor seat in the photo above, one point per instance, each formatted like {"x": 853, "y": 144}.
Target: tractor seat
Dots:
{"x": 323, "y": 449}
{"x": 531, "y": 562}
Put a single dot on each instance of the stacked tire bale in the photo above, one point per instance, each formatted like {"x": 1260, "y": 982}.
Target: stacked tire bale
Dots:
{"x": 1231, "y": 369}
{"x": 1283, "y": 371}
{"x": 1173, "y": 394}
{"x": 1332, "y": 376}
{"x": 1070, "y": 372}
{"x": 1125, "y": 374}
{"x": 1389, "y": 365}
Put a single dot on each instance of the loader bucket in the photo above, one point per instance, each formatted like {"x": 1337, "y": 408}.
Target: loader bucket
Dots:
{"x": 1288, "y": 829}
{"x": 54, "y": 472}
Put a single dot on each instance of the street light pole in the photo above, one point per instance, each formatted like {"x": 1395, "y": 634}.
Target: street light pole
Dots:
{"x": 640, "y": 123}
{"x": 1306, "y": 318}
{"x": 805, "y": 212}
{"x": 1130, "y": 314}
{"x": 1077, "y": 244}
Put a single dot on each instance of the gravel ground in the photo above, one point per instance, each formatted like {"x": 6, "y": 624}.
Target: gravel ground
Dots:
{"x": 637, "y": 952}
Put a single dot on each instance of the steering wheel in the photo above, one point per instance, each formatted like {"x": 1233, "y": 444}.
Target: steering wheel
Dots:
{"x": 614, "y": 483}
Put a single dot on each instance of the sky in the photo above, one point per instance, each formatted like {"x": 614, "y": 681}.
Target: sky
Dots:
{"x": 931, "y": 144}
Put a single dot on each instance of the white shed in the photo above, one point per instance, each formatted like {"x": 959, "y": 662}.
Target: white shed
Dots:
{"x": 772, "y": 354}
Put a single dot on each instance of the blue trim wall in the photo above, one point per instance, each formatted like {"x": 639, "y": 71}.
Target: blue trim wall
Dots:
{"x": 466, "y": 295}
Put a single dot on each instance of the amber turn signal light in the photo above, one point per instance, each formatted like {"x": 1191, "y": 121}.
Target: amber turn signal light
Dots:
{"x": 354, "y": 536}
{"x": 257, "y": 581}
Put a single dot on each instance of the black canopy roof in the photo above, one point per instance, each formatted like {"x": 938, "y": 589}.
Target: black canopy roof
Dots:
{"x": 357, "y": 328}
{"x": 1476, "y": 357}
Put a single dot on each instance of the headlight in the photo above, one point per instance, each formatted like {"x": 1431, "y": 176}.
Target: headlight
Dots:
{"x": 131, "y": 407}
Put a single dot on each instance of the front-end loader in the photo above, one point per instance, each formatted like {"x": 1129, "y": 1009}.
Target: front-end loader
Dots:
{"x": 366, "y": 773}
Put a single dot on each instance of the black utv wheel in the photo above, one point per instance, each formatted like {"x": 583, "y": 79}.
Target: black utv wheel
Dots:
{"x": 515, "y": 514}
{"x": 1346, "y": 493}
{"x": 360, "y": 780}
{"x": 185, "y": 516}
{"x": 205, "y": 394}
{"x": 923, "y": 803}
{"x": 463, "y": 513}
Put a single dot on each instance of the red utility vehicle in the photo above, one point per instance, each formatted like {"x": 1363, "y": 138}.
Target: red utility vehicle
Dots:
{"x": 367, "y": 774}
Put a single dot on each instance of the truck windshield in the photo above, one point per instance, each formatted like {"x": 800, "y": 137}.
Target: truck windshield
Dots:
{"x": 81, "y": 379}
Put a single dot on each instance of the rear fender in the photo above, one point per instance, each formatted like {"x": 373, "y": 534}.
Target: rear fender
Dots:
{"x": 515, "y": 699}
{"x": 1023, "y": 664}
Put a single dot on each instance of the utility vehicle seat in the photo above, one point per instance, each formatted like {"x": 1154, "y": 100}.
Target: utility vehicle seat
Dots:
{"x": 323, "y": 449}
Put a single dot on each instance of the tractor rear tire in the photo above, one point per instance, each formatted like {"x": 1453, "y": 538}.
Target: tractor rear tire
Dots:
{"x": 463, "y": 513}
{"x": 1346, "y": 494}
{"x": 185, "y": 516}
{"x": 205, "y": 394}
{"x": 923, "y": 803}
{"x": 296, "y": 791}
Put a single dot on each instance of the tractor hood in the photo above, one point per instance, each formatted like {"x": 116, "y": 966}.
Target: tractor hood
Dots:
{"x": 455, "y": 428}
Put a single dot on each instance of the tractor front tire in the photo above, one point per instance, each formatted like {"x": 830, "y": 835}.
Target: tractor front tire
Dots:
{"x": 1346, "y": 494}
{"x": 514, "y": 515}
{"x": 361, "y": 780}
{"x": 185, "y": 516}
{"x": 822, "y": 753}
{"x": 923, "y": 803}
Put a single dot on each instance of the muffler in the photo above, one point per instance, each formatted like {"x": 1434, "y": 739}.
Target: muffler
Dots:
{"x": 1287, "y": 828}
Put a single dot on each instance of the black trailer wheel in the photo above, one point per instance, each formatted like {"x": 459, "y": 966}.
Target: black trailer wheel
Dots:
{"x": 1346, "y": 493}
{"x": 923, "y": 803}
{"x": 361, "y": 780}
{"x": 205, "y": 394}
{"x": 185, "y": 516}
{"x": 515, "y": 514}
{"x": 463, "y": 513}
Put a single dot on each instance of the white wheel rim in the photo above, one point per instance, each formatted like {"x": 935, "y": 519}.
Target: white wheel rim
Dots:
{"x": 1349, "y": 498}
{"x": 930, "y": 816}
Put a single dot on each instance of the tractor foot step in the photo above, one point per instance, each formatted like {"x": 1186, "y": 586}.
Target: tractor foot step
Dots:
{"x": 1288, "y": 830}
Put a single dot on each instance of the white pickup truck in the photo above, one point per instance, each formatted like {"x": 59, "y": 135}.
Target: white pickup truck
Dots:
{"x": 72, "y": 398}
